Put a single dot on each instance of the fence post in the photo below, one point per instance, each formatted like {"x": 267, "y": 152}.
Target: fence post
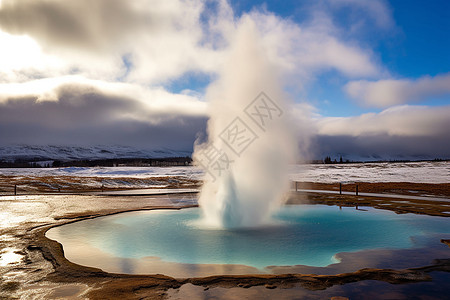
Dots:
{"x": 15, "y": 189}
{"x": 296, "y": 186}
{"x": 340, "y": 188}
{"x": 356, "y": 190}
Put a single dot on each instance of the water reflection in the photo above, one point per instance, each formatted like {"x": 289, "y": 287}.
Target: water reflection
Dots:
{"x": 368, "y": 289}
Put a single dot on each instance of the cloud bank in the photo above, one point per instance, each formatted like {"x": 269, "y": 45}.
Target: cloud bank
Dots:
{"x": 400, "y": 132}
{"x": 384, "y": 93}
{"x": 72, "y": 111}
{"x": 402, "y": 120}
{"x": 82, "y": 112}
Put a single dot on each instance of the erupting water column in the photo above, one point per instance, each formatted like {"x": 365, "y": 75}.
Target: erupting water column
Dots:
{"x": 251, "y": 139}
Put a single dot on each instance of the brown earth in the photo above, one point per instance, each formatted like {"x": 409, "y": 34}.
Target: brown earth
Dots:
{"x": 75, "y": 184}
{"x": 400, "y": 188}
{"x": 26, "y": 185}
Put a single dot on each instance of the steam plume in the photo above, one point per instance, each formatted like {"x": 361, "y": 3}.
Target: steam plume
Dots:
{"x": 252, "y": 144}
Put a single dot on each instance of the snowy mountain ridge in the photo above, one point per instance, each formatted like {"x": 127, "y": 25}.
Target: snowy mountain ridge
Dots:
{"x": 69, "y": 153}
{"x": 36, "y": 153}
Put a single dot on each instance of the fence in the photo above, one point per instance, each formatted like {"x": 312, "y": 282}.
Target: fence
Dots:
{"x": 353, "y": 186}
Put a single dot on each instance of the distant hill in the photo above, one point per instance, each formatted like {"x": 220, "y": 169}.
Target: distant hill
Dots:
{"x": 47, "y": 154}
{"x": 348, "y": 157}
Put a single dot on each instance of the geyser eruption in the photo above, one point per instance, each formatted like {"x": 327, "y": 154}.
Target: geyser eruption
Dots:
{"x": 251, "y": 138}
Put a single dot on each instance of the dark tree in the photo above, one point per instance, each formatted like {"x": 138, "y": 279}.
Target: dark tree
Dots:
{"x": 327, "y": 160}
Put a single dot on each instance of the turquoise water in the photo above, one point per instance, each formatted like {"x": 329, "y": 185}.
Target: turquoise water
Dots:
{"x": 303, "y": 235}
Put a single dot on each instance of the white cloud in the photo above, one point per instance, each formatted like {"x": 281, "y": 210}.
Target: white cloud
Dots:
{"x": 402, "y": 120}
{"x": 377, "y": 10}
{"x": 389, "y": 92}
{"x": 21, "y": 57}
{"x": 162, "y": 40}
{"x": 308, "y": 49}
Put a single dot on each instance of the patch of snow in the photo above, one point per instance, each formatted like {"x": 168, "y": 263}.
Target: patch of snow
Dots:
{"x": 420, "y": 172}
{"x": 9, "y": 256}
{"x": 107, "y": 172}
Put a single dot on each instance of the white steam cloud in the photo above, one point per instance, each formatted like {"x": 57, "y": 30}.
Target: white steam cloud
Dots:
{"x": 251, "y": 138}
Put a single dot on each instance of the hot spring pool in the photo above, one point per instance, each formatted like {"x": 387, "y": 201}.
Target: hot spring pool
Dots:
{"x": 169, "y": 242}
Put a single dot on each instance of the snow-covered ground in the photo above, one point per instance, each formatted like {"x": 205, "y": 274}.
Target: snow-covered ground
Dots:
{"x": 107, "y": 172}
{"x": 420, "y": 172}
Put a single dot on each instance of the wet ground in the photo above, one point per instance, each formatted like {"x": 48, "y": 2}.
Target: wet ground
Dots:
{"x": 23, "y": 268}
{"x": 33, "y": 268}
